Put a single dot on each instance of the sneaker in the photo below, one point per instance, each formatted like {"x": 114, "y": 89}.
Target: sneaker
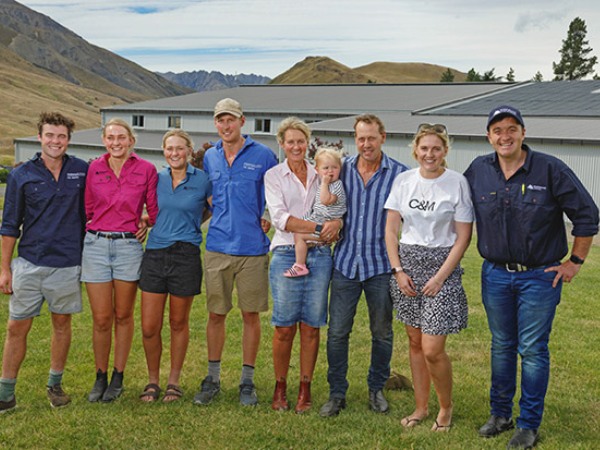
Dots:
{"x": 496, "y": 425}
{"x": 248, "y": 395}
{"x": 209, "y": 389}
{"x": 57, "y": 396}
{"x": 8, "y": 405}
{"x": 296, "y": 271}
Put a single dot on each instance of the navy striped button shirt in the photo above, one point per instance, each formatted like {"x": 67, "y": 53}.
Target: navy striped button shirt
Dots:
{"x": 362, "y": 250}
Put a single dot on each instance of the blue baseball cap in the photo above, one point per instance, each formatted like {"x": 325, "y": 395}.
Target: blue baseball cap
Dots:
{"x": 500, "y": 112}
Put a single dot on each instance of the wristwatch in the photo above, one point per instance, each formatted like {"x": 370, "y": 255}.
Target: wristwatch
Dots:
{"x": 576, "y": 260}
{"x": 397, "y": 269}
{"x": 318, "y": 229}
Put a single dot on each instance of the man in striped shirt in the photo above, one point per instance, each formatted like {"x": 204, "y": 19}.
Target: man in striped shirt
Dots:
{"x": 361, "y": 265}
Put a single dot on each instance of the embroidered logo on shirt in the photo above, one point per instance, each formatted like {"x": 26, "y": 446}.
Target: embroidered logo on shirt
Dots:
{"x": 534, "y": 187}
{"x": 75, "y": 175}
{"x": 252, "y": 166}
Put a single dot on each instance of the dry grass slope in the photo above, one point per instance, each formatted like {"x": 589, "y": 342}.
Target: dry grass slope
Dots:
{"x": 324, "y": 70}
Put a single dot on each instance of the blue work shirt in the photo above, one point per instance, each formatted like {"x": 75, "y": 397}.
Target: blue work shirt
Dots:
{"x": 51, "y": 213}
{"x": 238, "y": 199}
{"x": 362, "y": 251}
{"x": 520, "y": 220}
{"x": 180, "y": 209}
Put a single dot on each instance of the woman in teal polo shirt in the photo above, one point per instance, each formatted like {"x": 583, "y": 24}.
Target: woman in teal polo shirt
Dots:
{"x": 171, "y": 265}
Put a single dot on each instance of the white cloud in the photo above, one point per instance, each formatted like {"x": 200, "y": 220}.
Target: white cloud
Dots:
{"x": 268, "y": 36}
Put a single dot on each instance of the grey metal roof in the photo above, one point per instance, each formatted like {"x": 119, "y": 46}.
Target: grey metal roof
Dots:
{"x": 579, "y": 98}
{"x": 323, "y": 99}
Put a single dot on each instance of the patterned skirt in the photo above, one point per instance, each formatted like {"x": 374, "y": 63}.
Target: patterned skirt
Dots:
{"x": 443, "y": 314}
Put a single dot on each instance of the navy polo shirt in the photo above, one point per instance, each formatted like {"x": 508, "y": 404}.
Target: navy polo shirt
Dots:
{"x": 48, "y": 215}
{"x": 520, "y": 220}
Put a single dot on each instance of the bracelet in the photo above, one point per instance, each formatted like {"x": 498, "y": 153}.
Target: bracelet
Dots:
{"x": 397, "y": 269}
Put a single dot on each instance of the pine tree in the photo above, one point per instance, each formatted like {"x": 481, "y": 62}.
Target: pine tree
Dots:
{"x": 490, "y": 76}
{"x": 447, "y": 76}
{"x": 574, "y": 63}
{"x": 510, "y": 76}
{"x": 473, "y": 75}
{"x": 538, "y": 76}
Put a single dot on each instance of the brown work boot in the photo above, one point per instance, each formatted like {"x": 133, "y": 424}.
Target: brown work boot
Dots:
{"x": 304, "y": 400}
{"x": 280, "y": 402}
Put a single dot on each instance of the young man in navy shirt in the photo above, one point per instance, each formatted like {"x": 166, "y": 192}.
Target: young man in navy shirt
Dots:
{"x": 43, "y": 207}
{"x": 519, "y": 197}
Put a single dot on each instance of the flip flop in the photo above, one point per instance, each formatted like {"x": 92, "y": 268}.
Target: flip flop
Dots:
{"x": 172, "y": 394}
{"x": 411, "y": 422}
{"x": 441, "y": 428}
{"x": 151, "y": 393}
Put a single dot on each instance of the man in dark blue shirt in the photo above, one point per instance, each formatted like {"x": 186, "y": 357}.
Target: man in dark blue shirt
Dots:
{"x": 44, "y": 199}
{"x": 519, "y": 197}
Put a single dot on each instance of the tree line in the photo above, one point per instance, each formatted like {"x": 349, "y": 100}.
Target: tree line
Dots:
{"x": 575, "y": 62}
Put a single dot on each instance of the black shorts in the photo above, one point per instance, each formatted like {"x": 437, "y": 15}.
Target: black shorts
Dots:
{"x": 173, "y": 270}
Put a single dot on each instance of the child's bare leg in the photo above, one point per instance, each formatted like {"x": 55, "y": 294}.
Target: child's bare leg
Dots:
{"x": 301, "y": 247}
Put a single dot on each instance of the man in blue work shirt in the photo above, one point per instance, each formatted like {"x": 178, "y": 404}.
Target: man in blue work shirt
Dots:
{"x": 519, "y": 197}
{"x": 236, "y": 246}
{"x": 43, "y": 206}
{"x": 361, "y": 265}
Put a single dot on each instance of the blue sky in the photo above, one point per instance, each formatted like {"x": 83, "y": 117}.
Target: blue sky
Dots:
{"x": 267, "y": 37}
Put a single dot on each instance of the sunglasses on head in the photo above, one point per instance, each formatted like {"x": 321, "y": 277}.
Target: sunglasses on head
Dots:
{"x": 436, "y": 127}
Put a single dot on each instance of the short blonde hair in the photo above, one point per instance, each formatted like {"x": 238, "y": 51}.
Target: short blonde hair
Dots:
{"x": 121, "y": 123}
{"x": 179, "y": 133}
{"x": 328, "y": 152}
{"x": 292, "y": 123}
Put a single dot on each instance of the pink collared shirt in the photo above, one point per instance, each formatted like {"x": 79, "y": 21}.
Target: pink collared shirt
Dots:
{"x": 286, "y": 196}
{"x": 116, "y": 204}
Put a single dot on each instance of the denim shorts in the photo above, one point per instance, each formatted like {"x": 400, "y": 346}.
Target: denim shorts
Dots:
{"x": 106, "y": 259}
{"x": 302, "y": 299}
{"x": 174, "y": 270}
{"x": 32, "y": 284}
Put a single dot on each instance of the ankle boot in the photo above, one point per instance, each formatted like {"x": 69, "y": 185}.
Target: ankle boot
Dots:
{"x": 304, "y": 400}
{"x": 99, "y": 386}
{"x": 280, "y": 402}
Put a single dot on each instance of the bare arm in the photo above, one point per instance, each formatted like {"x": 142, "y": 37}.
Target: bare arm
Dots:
{"x": 8, "y": 247}
{"x": 567, "y": 270}
{"x": 326, "y": 197}
{"x": 392, "y": 230}
{"x": 463, "y": 239}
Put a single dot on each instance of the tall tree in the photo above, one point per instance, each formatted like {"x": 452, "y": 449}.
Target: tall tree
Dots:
{"x": 574, "y": 63}
{"x": 538, "y": 76}
{"x": 447, "y": 76}
{"x": 510, "y": 76}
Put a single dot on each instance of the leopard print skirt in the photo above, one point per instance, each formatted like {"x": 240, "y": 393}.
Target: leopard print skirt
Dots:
{"x": 443, "y": 314}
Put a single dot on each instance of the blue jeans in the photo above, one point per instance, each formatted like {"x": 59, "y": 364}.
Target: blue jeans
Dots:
{"x": 520, "y": 308}
{"x": 345, "y": 294}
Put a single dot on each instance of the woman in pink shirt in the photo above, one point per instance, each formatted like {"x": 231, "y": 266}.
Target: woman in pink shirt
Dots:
{"x": 119, "y": 184}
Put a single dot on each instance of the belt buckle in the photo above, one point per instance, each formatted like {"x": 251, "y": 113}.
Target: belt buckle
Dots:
{"x": 515, "y": 267}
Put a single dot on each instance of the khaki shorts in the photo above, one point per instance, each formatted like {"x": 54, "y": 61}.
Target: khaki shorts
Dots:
{"x": 250, "y": 274}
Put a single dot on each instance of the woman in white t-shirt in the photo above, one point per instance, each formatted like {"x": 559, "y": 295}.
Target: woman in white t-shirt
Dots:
{"x": 432, "y": 206}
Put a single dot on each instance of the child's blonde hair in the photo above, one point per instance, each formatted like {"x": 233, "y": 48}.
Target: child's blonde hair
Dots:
{"x": 330, "y": 152}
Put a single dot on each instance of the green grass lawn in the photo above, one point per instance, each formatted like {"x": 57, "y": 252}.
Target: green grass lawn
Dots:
{"x": 572, "y": 405}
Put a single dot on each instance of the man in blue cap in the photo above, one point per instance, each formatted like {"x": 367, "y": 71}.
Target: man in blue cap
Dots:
{"x": 519, "y": 197}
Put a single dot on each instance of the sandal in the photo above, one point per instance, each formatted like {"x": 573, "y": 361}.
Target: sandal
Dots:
{"x": 151, "y": 393}
{"x": 296, "y": 271}
{"x": 411, "y": 422}
{"x": 441, "y": 428}
{"x": 172, "y": 394}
